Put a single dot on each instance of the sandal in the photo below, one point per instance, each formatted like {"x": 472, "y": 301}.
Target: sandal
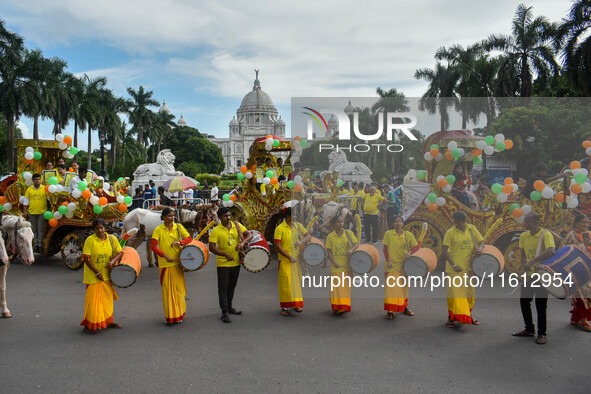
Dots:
{"x": 584, "y": 326}
{"x": 285, "y": 312}
{"x": 541, "y": 340}
{"x": 450, "y": 323}
{"x": 89, "y": 331}
{"x": 299, "y": 309}
{"x": 523, "y": 333}
{"x": 389, "y": 315}
{"x": 408, "y": 312}
{"x": 475, "y": 322}
{"x": 339, "y": 312}
{"x": 114, "y": 325}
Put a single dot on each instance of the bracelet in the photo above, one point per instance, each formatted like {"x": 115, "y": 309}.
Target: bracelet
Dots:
{"x": 98, "y": 273}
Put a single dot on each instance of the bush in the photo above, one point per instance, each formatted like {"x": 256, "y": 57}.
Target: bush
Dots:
{"x": 209, "y": 178}
{"x": 192, "y": 168}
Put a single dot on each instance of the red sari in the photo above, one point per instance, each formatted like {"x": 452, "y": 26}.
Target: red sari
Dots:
{"x": 581, "y": 299}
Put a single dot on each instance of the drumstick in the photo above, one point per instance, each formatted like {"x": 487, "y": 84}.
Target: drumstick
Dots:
{"x": 128, "y": 235}
{"x": 209, "y": 225}
{"x": 314, "y": 219}
{"x": 423, "y": 233}
{"x": 358, "y": 221}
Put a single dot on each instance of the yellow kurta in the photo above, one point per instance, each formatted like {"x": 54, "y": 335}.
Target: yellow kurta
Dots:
{"x": 290, "y": 274}
{"x": 396, "y": 298}
{"x": 340, "y": 296}
{"x": 37, "y": 200}
{"x": 226, "y": 241}
{"x": 529, "y": 243}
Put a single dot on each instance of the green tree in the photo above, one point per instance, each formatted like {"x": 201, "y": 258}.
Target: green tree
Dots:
{"x": 140, "y": 114}
{"x": 440, "y": 95}
{"x": 90, "y": 106}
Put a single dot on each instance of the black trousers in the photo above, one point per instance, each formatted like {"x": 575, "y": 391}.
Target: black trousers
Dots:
{"x": 227, "y": 279}
{"x": 370, "y": 224}
{"x": 527, "y": 295}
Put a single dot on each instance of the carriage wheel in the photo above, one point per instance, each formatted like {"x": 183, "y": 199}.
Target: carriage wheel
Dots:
{"x": 433, "y": 238}
{"x": 513, "y": 258}
{"x": 71, "y": 249}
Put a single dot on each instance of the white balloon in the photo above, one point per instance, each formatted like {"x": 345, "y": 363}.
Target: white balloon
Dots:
{"x": 298, "y": 179}
{"x": 30, "y": 149}
{"x": 59, "y": 137}
{"x": 489, "y": 150}
{"x": 584, "y": 171}
{"x": 63, "y": 146}
{"x": 94, "y": 200}
{"x": 120, "y": 199}
{"x": 526, "y": 209}
{"x": 26, "y": 201}
{"x": 72, "y": 206}
{"x": 469, "y": 156}
{"x": 547, "y": 192}
{"x": 426, "y": 201}
{"x": 60, "y": 188}
{"x": 502, "y": 197}
{"x": 447, "y": 188}
{"x": 57, "y": 215}
{"x": 266, "y": 180}
{"x": 515, "y": 187}
{"x": 412, "y": 173}
{"x": 588, "y": 151}
{"x": 7, "y": 206}
{"x": 22, "y": 199}
{"x": 577, "y": 171}
{"x": 76, "y": 193}
{"x": 70, "y": 214}
{"x": 520, "y": 219}
{"x": 439, "y": 157}
{"x": 481, "y": 144}
{"x": 27, "y": 175}
{"x": 499, "y": 138}
{"x": 268, "y": 146}
{"x": 428, "y": 156}
{"x": 66, "y": 154}
{"x": 29, "y": 182}
{"x": 100, "y": 178}
{"x": 269, "y": 141}
{"x": 440, "y": 177}
{"x": 452, "y": 145}
{"x": 440, "y": 201}
{"x": 248, "y": 175}
{"x": 571, "y": 202}
{"x": 296, "y": 144}
{"x": 52, "y": 188}
{"x": 586, "y": 187}
{"x": 462, "y": 151}
{"x": 230, "y": 204}
{"x": 29, "y": 155}
{"x": 106, "y": 186}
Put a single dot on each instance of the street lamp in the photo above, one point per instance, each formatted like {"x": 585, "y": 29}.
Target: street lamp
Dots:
{"x": 102, "y": 161}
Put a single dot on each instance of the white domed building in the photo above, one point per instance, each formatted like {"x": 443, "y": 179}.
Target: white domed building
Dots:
{"x": 256, "y": 117}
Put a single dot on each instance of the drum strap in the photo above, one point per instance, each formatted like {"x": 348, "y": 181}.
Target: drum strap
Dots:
{"x": 112, "y": 245}
{"x": 348, "y": 239}
{"x": 473, "y": 238}
{"x": 540, "y": 242}
{"x": 238, "y": 230}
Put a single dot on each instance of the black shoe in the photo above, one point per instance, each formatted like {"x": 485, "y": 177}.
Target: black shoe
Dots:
{"x": 226, "y": 318}
{"x": 235, "y": 311}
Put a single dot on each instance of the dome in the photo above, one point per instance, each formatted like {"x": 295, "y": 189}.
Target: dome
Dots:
{"x": 349, "y": 109}
{"x": 164, "y": 108}
{"x": 182, "y": 121}
{"x": 233, "y": 122}
{"x": 280, "y": 121}
{"x": 257, "y": 100}
{"x": 333, "y": 120}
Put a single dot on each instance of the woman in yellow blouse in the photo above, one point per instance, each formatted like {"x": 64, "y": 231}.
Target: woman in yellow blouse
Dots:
{"x": 398, "y": 245}
{"x": 290, "y": 235}
{"x": 101, "y": 252}
{"x": 167, "y": 240}
{"x": 340, "y": 244}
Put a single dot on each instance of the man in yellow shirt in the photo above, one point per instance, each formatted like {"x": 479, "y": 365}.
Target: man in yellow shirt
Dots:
{"x": 535, "y": 245}
{"x": 370, "y": 203}
{"x": 226, "y": 241}
{"x": 35, "y": 206}
{"x": 461, "y": 243}
{"x": 357, "y": 193}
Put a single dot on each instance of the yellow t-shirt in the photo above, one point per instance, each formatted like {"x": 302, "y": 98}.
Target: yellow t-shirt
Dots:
{"x": 371, "y": 203}
{"x": 100, "y": 253}
{"x": 165, "y": 239}
{"x": 339, "y": 247}
{"x": 398, "y": 247}
{"x": 226, "y": 241}
{"x": 287, "y": 239}
{"x": 37, "y": 200}
{"x": 355, "y": 202}
{"x": 59, "y": 178}
{"x": 460, "y": 246}
{"x": 529, "y": 243}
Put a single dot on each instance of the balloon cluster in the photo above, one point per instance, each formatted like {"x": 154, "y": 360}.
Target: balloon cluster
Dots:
{"x": 502, "y": 191}
{"x": 228, "y": 200}
{"x": 31, "y": 155}
{"x": 298, "y": 143}
{"x": 65, "y": 210}
{"x": 445, "y": 183}
{"x": 433, "y": 202}
{"x": 271, "y": 142}
{"x": 245, "y": 173}
{"x": 587, "y": 146}
{"x": 420, "y": 175}
{"x": 64, "y": 142}
{"x": 4, "y": 204}
{"x": 519, "y": 211}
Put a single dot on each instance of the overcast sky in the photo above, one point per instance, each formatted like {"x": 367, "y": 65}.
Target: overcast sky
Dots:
{"x": 199, "y": 56}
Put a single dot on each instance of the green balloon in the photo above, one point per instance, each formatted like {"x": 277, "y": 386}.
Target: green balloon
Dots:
{"x": 128, "y": 200}
{"x": 62, "y": 209}
{"x": 48, "y": 215}
{"x": 1, "y": 208}
{"x": 489, "y": 140}
{"x": 421, "y": 174}
{"x": 500, "y": 146}
{"x": 432, "y": 197}
{"x": 580, "y": 178}
{"x": 434, "y": 146}
{"x": 53, "y": 180}
{"x": 269, "y": 174}
{"x": 275, "y": 142}
{"x": 303, "y": 143}
{"x": 451, "y": 179}
{"x": 73, "y": 150}
{"x": 37, "y": 155}
{"x": 535, "y": 195}
{"x": 339, "y": 182}
{"x": 226, "y": 197}
{"x": 456, "y": 153}
{"x": 82, "y": 185}
{"x": 120, "y": 179}
{"x": 513, "y": 206}
{"x": 97, "y": 209}
{"x": 240, "y": 176}
{"x": 477, "y": 160}
{"x": 496, "y": 188}
{"x": 290, "y": 184}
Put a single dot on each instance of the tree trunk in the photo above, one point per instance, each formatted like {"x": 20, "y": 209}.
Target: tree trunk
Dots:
{"x": 89, "y": 148}
{"x": 113, "y": 153}
{"x": 75, "y": 133}
{"x": 36, "y": 127}
{"x": 10, "y": 136}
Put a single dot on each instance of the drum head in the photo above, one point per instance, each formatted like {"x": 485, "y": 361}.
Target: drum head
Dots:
{"x": 313, "y": 254}
{"x": 485, "y": 265}
{"x": 361, "y": 262}
{"x": 256, "y": 259}
{"x": 192, "y": 257}
{"x": 415, "y": 266}
{"x": 123, "y": 275}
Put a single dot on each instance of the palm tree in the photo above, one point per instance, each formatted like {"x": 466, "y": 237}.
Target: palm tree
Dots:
{"x": 140, "y": 113}
{"x": 162, "y": 125}
{"x": 575, "y": 46}
{"x": 440, "y": 95}
{"x": 109, "y": 122}
{"x": 130, "y": 147}
{"x": 527, "y": 51}
{"x": 41, "y": 104}
{"x": 90, "y": 106}
{"x": 75, "y": 87}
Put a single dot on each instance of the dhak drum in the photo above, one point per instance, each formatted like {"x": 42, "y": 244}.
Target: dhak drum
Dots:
{"x": 314, "y": 253}
{"x": 365, "y": 259}
{"x": 194, "y": 255}
{"x": 257, "y": 255}
{"x": 491, "y": 261}
{"x": 567, "y": 260}
{"x": 420, "y": 263}
{"x": 127, "y": 271}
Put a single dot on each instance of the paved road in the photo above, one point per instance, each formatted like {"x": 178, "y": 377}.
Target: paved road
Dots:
{"x": 43, "y": 349}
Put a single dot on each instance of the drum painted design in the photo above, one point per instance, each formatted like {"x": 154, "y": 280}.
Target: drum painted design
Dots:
{"x": 365, "y": 259}
{"x": 128, "y": 270}
{"x": 491, "y": 261}
{"x": 314, "y": 253}
{"x": 194, "y": 255}
{"x": 420, "y": 263}
{"x": 257, "y": 256}
{"x": 567, "y": 260}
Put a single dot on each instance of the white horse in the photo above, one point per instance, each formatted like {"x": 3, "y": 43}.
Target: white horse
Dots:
{"x": 20, "y": 238}
{"x": 146, "y": 221}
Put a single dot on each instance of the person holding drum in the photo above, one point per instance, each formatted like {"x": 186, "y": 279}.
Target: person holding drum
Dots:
{"x": 460, "y": 244}
{"x": 535, "y": 245}
{"x": 101, "y": 252}
{"x": 340, "y": 245}
{"x": 398, "y": 246}
{"x": 226, "y": 241}
{"x": 167, "y": 242}
{"x": 289, "y": 234}
{"x": 581, "y": 300}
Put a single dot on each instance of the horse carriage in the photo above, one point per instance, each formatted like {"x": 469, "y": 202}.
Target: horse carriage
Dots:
{"x": 70, "y": 231}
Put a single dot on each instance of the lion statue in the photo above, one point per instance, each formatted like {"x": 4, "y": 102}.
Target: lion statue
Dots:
{"x": 338, "y": 162}
{"x": 164, "y": 166}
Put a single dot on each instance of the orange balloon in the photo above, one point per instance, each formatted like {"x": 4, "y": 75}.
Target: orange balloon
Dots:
{"x": 508, "y": 144}
{"x": 559, "y": 197}
{"x": 2, "y": 200}
{"x": 434, "y": 152}
{"x": 233, "y": 197}
{"x": 71, "y": 169}
{"x": 508, "y": 189}
{"x": 67, "y": 140}
{"x": 476, "y": 152}
{"x": 274, "y": 181}
{"x": 539, "y": 185}
{"x": 508, "y": 181}
{"x": 448, "y": 155}
{"x": 574, "y": 165}
{"x": 586, "y": 144}
{"x": 517, "y": 212}
{"x": 86, "y": 194}
{"x": 244, "y": 169}
{"x": 29, "y": 161}
{"x": 297, "y": 188}
{"x": 268, "y": 136}
{"x": 46, "y": 188}
{"x": 53, "y": 222}
{"x": 298, "y": 138}
{"x": 576, "y": 188}
{"x": 103, "y": 201}
{"x": 65, "y": 203}
{"x": 122, "y": 207}
{"x": 442, "y": 183}
{"x": 432, "y": 207}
